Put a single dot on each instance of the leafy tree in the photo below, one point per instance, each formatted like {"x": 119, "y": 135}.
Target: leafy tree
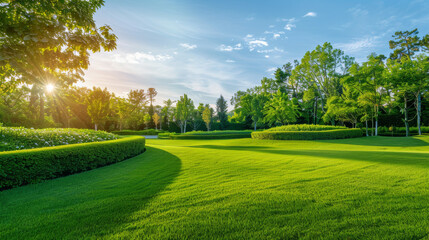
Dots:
{"x": 207, "y": 116}
{"x": 281, "y": 110}
{"x": 405, "y": 43}
{"x": 184, "y": 108}
{"x": 49, "y": 42}
{"x": 221, "y": 109}
{"x": 156, "y": 118}
{"x": 98, "y": 102}
{"x": 322, "y": 69}
{"x": 372, "y": 84}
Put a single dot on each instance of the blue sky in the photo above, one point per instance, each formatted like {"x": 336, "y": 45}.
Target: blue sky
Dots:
{"x": 208, "y": 48}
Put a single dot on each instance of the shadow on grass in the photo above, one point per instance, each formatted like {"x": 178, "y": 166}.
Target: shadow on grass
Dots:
{"x": 389, "y": 157}
{"x": 90, "y": 204}
{"x": 381, "y": 141}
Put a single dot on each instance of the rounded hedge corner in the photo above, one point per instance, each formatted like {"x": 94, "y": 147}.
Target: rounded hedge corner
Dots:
{"x": 23, "y": 167}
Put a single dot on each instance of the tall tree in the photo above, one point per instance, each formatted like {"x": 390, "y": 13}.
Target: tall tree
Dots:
{"x": 98, "y": 105}
{"x": 48, "y": 42}
{"x": 321, "y": 69}
{"x": 405, "y": 43}
{"x": 281, "y": 110}
{"x": 207, "y": 117}
{"x": 184, "y": 108}
{"x": 221, "y": 109}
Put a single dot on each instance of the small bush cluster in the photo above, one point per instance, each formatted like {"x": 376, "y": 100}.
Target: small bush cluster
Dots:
{"x": 24, "y": 138}
{"x": 35, "y": 165}
{"x": 140, "y": 132}
{"x": 212, "y": 135}
{"x": 304, "y": 127}
{"x": 308, "y": 135}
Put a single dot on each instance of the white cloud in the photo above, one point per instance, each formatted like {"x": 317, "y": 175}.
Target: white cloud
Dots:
{"x": 289, "y": 25}
{"x": 188, "y": 46}
{"x": 358, "y": 45}
{"x": 275, "y": 35}
{"x": 138, "y": 57}
{"x": 267, "y": 56}
{"x": 230, "y": 61}
{"x": 257, "y": 43}
{"x": 271, "y": 26}
{"x": 225, "y": 48}
{"x": 271, "y": 69}
{"x": 310, "y": 14}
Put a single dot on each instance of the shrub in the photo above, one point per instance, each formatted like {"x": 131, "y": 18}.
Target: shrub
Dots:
{"x": 24, "y": 138}
{"x": 35, "y": 165}
{"x": 304, "y": 127}
{"x": 140, "y": 132}
{"x": 212, "y": 135}
{"x": 308, "y": 135}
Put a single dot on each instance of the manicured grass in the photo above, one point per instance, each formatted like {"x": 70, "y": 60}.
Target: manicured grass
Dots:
{"x": 362, "y": 188}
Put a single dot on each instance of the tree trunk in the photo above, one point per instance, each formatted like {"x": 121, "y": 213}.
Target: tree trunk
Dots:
{"x": 96, "y": 127}
{"x": 376, "y": 127}
{"x": 366, "y": 124}
{"x": 407, "y": 129}
{"x": 255, "y": 125}
{"x": 315, "y": 110}
{"x": 419, "y": 112}
{"x": 41, "y": 108}
{"x": 184, "y": 128}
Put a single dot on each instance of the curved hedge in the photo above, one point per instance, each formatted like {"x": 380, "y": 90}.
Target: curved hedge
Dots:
{"x": 308, "y": 135}
{"x": 212, "y": 135}
{"x": 35, "y": 165}
{"x": 138, "y": 132}
{"x": 304, "y": 127}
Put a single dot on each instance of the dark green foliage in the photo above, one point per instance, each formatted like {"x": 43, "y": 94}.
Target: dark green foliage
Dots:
{"x": 141, "y": 132}
{"x": 308, "y": 135}
{"x": 304, "y": 127}
{"x": 35, "y": 165}
{"x": 212, "y": 135}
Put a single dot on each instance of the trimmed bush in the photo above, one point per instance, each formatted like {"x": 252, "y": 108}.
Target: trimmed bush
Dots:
{"x": 140, "y": 132}
{"x": 35, "y": 165}
{"x": 26, "y": 138}
{"x": 304, "y": 127}
{"x": 212, "y": 135}
{"x": 308, "y": 135}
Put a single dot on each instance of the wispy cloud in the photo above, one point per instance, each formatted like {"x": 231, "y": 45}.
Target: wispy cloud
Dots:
{"x": 310, "y": 14}
{"x": 275, "y": 49}
{"x": 271, "y": 69}
{"x": 230, "y": 61}
{"x": 289, "y": 23}
{"x": 275, "y": 35}
{"x": 250, "y": 18}
{"x": 225, "y": 48}
{"x": 358, "y": 11}
{"x": 358, "y": 45}
{"x": 188, "y": 46}
{"x": 139, "y": 57}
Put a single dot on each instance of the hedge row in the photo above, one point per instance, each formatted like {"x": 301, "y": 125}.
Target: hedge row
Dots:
{"x": 308, "y": 135}
{"x": 139, "y": 132}
{"x": 35, "y": 165}
{"x": 225, "y": 135}
{"x": 304, "y": 127}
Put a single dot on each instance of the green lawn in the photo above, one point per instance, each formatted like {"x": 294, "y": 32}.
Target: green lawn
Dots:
{"x": 365, "y": 188}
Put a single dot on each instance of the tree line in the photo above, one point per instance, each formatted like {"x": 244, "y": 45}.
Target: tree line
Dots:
{"x": 48, "y": 43}
{"x": 328, "y": 87}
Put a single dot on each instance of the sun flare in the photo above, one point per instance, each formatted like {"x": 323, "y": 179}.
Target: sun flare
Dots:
{"x": 50, "y": 87}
